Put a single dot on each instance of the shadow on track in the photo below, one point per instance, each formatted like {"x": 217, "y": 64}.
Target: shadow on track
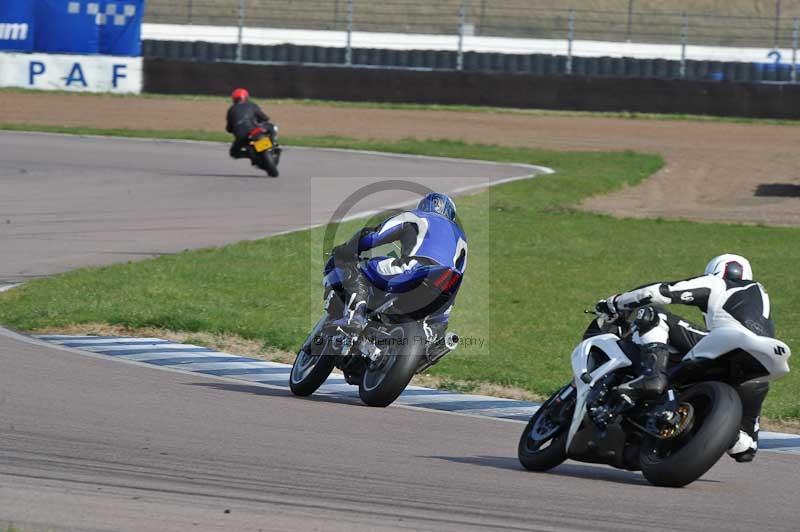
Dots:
{"x": 228, "y": 176}
{"x": 573, "y": 470}
{"x": 280, "y": 392}
{"x": 566, "y": 470}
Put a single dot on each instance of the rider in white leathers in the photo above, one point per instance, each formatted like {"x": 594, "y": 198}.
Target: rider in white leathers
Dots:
{"x": 728, "y": 298}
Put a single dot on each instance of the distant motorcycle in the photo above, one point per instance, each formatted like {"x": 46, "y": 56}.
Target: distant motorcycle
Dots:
{"x": 264, "y": 150}
{"x": 397, "y": 343}
{"x": 673, "y": 439}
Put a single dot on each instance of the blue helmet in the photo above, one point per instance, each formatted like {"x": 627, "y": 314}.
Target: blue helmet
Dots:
{"x": 439, "y": 204}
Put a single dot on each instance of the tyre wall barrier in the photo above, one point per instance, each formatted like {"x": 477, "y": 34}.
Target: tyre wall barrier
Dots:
{"x": 535, "y": 64}
{"x": 547, "y": 91}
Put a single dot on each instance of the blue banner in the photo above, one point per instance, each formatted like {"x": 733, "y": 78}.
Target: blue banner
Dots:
{"x": 122, "y": 32}
{"x": 16, "y": 25}
{"x": 109, "y": 27}
{"x": 67, "y": 26}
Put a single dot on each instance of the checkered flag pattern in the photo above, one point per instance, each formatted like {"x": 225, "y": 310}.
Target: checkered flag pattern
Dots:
{"x": 116, "y": 13}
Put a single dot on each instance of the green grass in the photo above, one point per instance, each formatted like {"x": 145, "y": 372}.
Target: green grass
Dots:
{"x": 535, "y": 264}
{"x": 135, "y": 133}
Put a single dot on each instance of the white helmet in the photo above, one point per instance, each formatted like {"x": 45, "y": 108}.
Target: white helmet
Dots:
{"x": 733, "y": 267}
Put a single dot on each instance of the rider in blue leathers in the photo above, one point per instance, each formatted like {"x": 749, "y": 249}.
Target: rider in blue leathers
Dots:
{"x": 429, "y": 238}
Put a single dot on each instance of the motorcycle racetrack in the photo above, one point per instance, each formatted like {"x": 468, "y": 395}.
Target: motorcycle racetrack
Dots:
{"x": 89, "y": 443}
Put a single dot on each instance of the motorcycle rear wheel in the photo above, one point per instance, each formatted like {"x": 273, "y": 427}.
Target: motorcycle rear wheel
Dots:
{"x": 677, "y": 462}
{"x": 384, "y": 380}
{"x": 269, "y": 164}
{"x": 543, "y": 443}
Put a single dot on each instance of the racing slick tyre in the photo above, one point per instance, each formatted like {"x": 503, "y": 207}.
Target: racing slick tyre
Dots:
{"x": 543, "y": 443}
{"x": 269, "y": 164}
{"x": 312, "y": 365}
{"x": 716, "y": 416}
{"x": 385, "y": 378}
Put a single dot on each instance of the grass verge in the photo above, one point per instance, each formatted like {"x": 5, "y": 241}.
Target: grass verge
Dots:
{"x": 543, "y": 263}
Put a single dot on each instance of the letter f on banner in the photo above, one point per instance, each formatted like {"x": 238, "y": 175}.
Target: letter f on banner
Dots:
{"x": 119, "y": 73}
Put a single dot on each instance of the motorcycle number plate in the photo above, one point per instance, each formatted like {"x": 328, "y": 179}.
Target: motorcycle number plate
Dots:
{"x": 262, "y": 144}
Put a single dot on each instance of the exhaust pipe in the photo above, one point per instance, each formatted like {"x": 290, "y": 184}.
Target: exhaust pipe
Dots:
{"x": 438, "y": 350}
{"x": 451, "y": 340}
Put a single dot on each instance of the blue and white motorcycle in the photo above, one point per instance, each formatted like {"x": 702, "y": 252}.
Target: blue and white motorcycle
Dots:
{"x": 406, "y": 334}
{"x": 673, "y": 439}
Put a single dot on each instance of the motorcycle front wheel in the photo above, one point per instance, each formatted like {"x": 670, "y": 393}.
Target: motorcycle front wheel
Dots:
{"x": 386, "y": 378}
{"x": 676, "y": 462}
{"x": 543, "y": 443}
{"x": 313, "y": 363}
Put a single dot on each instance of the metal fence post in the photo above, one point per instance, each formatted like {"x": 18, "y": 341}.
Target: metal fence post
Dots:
{"x": 348, "y": 51}
{"x": 684, "y": 41}
{"x": 795, "y": 35}
{"x": 777, "y": 23}
{"x": 570, "y": 38}
{"x": 189, "y": 11}
{"x": 462, "y": 20}
{"x": 630, "y": 18}
{"x": 241, "y": 30}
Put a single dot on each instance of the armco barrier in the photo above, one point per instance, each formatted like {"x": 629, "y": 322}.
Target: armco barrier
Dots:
{"x": 474, "y": 88}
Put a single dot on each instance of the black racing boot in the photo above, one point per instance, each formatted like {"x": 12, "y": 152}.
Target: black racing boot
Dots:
{"x": 354, "y": 317}
{"x": 653, "y": 379}
{"x": 238, "y": 151}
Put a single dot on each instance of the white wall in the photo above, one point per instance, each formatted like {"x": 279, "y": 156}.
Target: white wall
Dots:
{"x": 414, "y": 41}
{"x": 79, "y": 73}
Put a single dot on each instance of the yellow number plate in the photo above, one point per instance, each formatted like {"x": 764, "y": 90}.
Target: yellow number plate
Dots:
{"x": 262, "y": 144}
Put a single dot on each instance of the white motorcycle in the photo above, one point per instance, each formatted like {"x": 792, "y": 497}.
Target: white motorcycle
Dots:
{"x": 673, "y": 439}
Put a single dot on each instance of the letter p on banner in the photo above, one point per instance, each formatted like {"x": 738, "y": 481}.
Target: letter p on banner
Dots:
{"x": 36, "y": 68}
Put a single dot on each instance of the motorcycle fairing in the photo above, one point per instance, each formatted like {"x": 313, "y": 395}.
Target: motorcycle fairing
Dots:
{"x": 589, "y": 445}
{"x": 770, "y": 353}
{"x": 608, "y": 345}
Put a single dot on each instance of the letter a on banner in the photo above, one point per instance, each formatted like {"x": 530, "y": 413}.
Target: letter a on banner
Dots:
{"x": 75, "y": 75}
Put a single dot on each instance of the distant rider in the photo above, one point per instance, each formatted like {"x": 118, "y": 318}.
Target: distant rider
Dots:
{"x": 728, "y": 297}
{"x": 243, "y": 117}
{"x": 429, "y": 237}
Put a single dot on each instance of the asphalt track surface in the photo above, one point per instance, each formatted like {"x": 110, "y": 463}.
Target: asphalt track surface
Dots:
{"x": 89, "y": 443}
{"x": 69, "y": 201}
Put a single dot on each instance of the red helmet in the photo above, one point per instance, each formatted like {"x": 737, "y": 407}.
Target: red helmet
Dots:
{"x": 240, "y": 95}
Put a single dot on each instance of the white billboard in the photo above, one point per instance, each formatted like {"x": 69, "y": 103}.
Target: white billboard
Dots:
{"x": 79, "y": 73}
